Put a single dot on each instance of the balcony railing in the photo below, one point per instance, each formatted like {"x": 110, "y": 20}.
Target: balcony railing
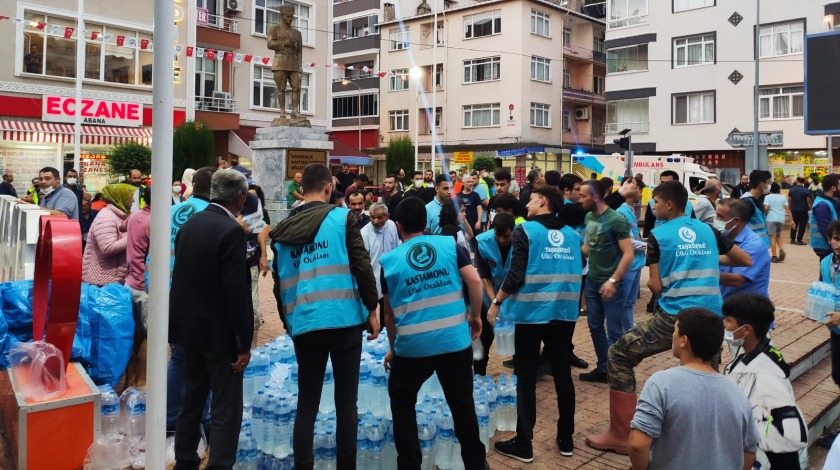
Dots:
{"x": 221, "y": 23}
{"x": 582, "y": 95}
{"x": 600, "y": 57}
{"x": 637, "y": 127}
{"x": 585, "y": 140}
{"x": 577, "y": 52}
{"x": 221, "y": 102}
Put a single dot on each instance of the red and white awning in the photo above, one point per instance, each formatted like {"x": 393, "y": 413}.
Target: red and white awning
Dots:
{"x": 45, "y": 132}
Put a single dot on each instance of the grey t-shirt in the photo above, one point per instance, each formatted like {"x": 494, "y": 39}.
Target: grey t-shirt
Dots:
{"x": 62, "y": 200}
{"x": 697, "y": 420}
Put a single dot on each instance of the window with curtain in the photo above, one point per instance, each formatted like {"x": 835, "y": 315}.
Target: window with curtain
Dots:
{"x": 482, "y": 115}
{"x": 267, "y": 14}
{"x": 540, "y": 69}
{"x": 694, "y": 50}
{"x": 540, "y": 23}
{"x": 539, "y": 115}
{"x": 482, "y": 70}
{"x": 781, "y": 39}
{"x": 483, "y": 24}
{"x": 683, "y": 5}
{"x": 695, "y": 108}
{"x": 628, "y": 114}
{"x": 781, "y": 102}
{"x": 627, "y": 59}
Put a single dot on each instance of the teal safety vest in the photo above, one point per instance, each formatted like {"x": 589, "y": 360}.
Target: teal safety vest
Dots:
{"x": 758, "y": 223}
{"x": 317, "y": 289}
{"x": 825, "y": 274}
{"x": 489, "y": 251}
{"x": 688, "y": 266}
{"x": 639, "y": 256}
{"x": 817, "y": 241}
{"x": 424, "y": 290}
{"x": 689, "y": 209}
{"x": 551, "y": 290}
{"x": 181, "y": 212}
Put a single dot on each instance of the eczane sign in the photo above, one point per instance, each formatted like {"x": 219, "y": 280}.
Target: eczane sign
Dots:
{"x": 94, "y": 112}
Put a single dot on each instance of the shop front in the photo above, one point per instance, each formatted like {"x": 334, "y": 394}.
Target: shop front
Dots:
{"x": 795, "y": 163}
{"x": 728, "y": 165}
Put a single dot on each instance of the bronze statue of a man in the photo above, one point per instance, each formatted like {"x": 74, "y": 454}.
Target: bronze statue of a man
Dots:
{"x": 287, "y": 44}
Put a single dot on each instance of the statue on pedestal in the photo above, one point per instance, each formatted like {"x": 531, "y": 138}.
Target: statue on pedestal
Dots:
{"x": 287, "y": 44}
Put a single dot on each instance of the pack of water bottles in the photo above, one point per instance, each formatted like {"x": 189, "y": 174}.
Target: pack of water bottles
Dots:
{"x": 504, "y": 331}
{"x": 821, "y": 299}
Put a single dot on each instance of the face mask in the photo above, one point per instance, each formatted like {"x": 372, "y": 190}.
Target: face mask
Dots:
{"x": 176, "y": 190}
{"x": 729, "y": 337}
{"x": 418, "y": 184}
{"x": 71, "y": 181}
{"x": 720, "y": 225}
{"x": 48, "y": 190}
{"x": 767, "y": 189}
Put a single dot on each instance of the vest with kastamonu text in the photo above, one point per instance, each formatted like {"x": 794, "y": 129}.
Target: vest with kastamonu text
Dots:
{"x": 318, "y": 291}
{"x": 425, "y": 293}
{"x": 489, "y": 251}
{"x": 688, "y": 265}
{"x": 551, "y": 290}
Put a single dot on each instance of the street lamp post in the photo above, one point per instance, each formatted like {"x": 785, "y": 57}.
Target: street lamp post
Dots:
{"x": 415, "y": 74}
{"x": 346, "y": 82}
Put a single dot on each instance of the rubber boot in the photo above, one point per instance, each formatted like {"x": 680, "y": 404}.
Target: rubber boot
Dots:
{"x": 622, "y": 407}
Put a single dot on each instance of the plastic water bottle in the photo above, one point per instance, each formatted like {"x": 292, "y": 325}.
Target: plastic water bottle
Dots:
{"x": 376, "y": 444}
{"x": 389, "y": 451}
{"x": 328, "y": 391}
{"x": 365, "y": 388}
{"x": 261, "y": 369}
{"x": 477, "y": 349}
{"x": 512, "y": 402}
{"x": 361, "y": 446}
{"x": 249, "y": 379}
{"x": 427, "y": 443}
{"x": 492, "y": 406}
{"x": 380, "y": 402}
{"x": 483, "y": 416}
{"x": 110, "y": 411}
{"x": 457, "y": 460}
{"x": 287, "y": 355}
{"x": 257, "y": 416}
{"x": 285, "y": 202}
{"x": 329, "y": 452}
{"x": 267, "y": 443}
{"x": 445, "y": 440}
{"x": 136, "y": 413}
{"x": 282, "y": 437}
{"x": 247, "y": 455}
{"x": 293, "y": 379}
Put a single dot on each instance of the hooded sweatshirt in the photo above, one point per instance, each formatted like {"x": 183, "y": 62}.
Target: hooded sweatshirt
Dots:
{"x": 301, "y": 227}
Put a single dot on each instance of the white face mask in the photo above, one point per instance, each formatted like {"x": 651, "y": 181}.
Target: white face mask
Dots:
{"x": 729, "y": 337}
{"x": 720, "y": 225}
{"x": 418, "y": 184}
{"x": 71, "y": 181}
{"x": 767, "y": 189}
{"x": 48, "y": 190}
{"x": 176, "y": 190}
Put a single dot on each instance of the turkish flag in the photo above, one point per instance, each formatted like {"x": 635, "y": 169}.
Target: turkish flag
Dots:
{"x": 189, "y": 51}
{"x": 144, "y": 44}
{"x": 312, "y": 65}
{"x": 94, "y": 35}
{"x": 228, "y": 56}
{"x": 68, "y": 32}
{"x": 209, "y": 54}
{"x": 382, "y": 74}
{"x": 266, "y": 60}
{"x": 121, "y": 41}
{"x": 248, "y": 58}
{"x": 41, "y": 25}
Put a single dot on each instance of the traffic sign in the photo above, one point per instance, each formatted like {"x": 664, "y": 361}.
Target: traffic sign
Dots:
{"x": 739, "y": 139}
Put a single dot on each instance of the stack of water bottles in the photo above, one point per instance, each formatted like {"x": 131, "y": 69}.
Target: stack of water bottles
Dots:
{"x": 821, "y": 299}
{"x": 504, "y": 337}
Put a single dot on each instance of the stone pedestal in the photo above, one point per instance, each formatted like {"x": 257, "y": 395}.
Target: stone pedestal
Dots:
{"x": 269, "y": 148}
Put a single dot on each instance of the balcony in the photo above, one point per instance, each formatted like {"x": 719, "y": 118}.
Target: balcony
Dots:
{"x": 221, "y": 23}
{"x": 595, "y": 8}
{"x": 600, "y": 57}
{"x": 346, "y": 7}
{"x": 219, "y": 31}
{"x": 578, "y": 52}
{"x": 582, "y": 96}
{"x": 582, "y": 140}
{"x": 221, "y": 102}
{"x": 370, "y": 82}
{"x": 637, "y": 127}
{"x": 354, "y": 44}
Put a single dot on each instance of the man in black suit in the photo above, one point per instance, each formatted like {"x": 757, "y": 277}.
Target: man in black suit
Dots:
{"x": 212, "y": 320}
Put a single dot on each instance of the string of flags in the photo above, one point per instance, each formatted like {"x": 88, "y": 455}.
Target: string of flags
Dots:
{"x": 189, "y": 51}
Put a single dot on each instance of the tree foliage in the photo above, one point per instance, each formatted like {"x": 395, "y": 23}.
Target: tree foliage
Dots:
{"x": 399, "y": 154}
{"x": 192, "y": 147}
{"x": 126, "y": 157}
{"x": 484, "y": 162}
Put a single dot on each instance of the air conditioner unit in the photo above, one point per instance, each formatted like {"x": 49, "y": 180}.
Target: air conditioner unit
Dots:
{"x": 582, "y": 114}
{"x": 222, "y": 100}
{"x": 233, "y": 5}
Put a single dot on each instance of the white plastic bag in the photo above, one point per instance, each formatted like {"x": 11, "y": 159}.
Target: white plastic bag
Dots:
{"x": 107, "y": 453}
{"x": 38, "y": 370}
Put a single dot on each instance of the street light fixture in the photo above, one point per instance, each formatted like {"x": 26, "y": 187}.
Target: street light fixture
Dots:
{"x": 416, "y": 73}
{"x": 346, "y": 82}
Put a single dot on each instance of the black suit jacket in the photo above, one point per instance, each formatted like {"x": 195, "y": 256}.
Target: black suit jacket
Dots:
{"x": 210, "y": 299}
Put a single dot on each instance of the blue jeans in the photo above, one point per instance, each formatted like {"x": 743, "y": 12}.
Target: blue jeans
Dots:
{"x": 602, "y": 312}
{"x": 634, "y": 278}
{"x": 175, "y": 385}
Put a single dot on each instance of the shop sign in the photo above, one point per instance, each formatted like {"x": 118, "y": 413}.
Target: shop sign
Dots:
{"x": 94, "y": 163}
{"x": 745, "y": 139}
{"x": 202, "y": 16}
{"x": 94, "y": 112}
{"x": 462, "y": 157}
{"x": 297, "y": 159}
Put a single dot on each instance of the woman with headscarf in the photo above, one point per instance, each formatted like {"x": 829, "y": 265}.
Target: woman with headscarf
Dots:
{"x": 104, "y": 259}
{"x": 186, "y": 181}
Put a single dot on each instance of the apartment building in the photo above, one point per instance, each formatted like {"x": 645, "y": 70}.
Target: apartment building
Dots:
{"x": 218, "y": 78}
{"x": 681, "y": 74}
{"x": 520, "y": 80}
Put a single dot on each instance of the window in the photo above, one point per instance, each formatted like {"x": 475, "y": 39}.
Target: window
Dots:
{"x": 567, "y": 36}
{"x": 598, "y": 85}
{"x": 348, "y": 106}
{"x": 567, "y": 120}
{"x": 398, "y": 80}
{"x": 482, "y": 70}
{"x": 399, "y": 39}
{"x": 539, "y": 115}
{"x": 781, "y": 39}
{"x": 115, "y": 56}
{"x": 481, "y": 115}
{"x": 683, "y": 5}
{"x": 627, "y": 13}
{"x": 355, "y": 28}
{"x": 781, "y": 102}
{"x": 628, "y": 114}
{"x": 359, "y": 71}
{"x": 567, "y": 78}
{"x": 627, "y": 59}
{"x": 695, "y": 50}
{"x": 267, "y": 14}
{"x": 540, "y": 23}
{"x": 265, "y": 90}
{"x": 483, "y": 24}
{"x": 696, "y": 108}
{"x": 439, "y": 75}
{"x": 598, "y": 44}
{"x": 540, "y": 69}
{"x": 398, "y": 120}
{"x": 205, "y": 77}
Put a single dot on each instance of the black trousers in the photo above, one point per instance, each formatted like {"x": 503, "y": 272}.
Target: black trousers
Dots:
{"x": 835, "y": 357}
{"x": 206, "y": 372}
{"x": 800, "y": 218}
{"x": 557, "y": 335}
{"x": 455, "y": 373}
{"x": 344, "y": 348}
{"x": 786, "y": 461}
{"x": 487, "y": 336}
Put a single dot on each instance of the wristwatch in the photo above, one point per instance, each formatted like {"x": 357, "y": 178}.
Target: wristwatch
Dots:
{"x": 496, "y": 301}
{"x": 612, "y": 280}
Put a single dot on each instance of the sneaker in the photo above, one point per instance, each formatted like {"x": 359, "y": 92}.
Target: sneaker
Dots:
{"x": 782, "y": 255}
{"x": 508, "y": 363}
{"x": 774, "y": 259}
{"x": 515, "y": 449}
{"x": 594, "y": 376}
{"x": 575, "y": 361}
{"x": 567, "y": 446}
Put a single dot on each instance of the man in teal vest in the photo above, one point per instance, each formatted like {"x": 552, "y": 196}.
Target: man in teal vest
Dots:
{"x": 830, "y": 273}
{"x": 684, "y": 257}
{"x": 327, "y": 295}
{"x": 760, "y": 181}
{"x": 430, "y": 332}
{"x": 631, "y": 189}
{"x": 542, "y": 289}
{"x": 492, "y": 261}
{"x": 823, "y": 212}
